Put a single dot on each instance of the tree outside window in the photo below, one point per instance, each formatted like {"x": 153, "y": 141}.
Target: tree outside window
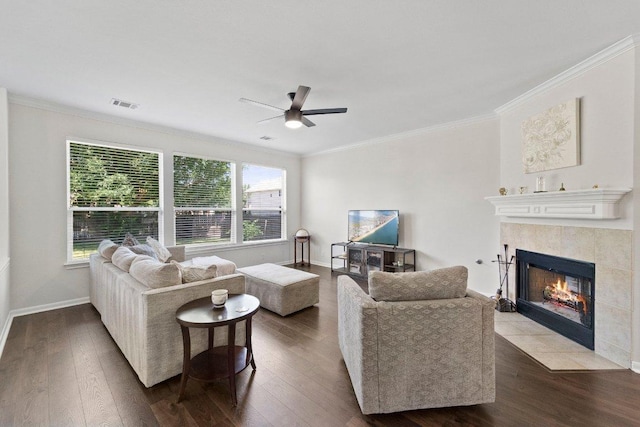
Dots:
{"x": 112, "y": 191}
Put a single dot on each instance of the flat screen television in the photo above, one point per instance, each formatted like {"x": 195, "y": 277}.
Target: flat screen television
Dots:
{"x": 375, "y": 227}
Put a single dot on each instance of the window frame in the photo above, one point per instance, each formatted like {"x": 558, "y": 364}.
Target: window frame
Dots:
{"x": 282, "y": 209}
{"x": 233, "y": 239}
{"x": 70, "y": 261}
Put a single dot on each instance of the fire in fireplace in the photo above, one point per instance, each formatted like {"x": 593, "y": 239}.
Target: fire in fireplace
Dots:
{"x": 558, "y": 293}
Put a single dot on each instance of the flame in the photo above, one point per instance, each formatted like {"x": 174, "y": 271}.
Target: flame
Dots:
{"x": 560, "y": 291}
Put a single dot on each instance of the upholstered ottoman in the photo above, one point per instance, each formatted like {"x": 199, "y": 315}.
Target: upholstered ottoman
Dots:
{"x": 281, "y": 289}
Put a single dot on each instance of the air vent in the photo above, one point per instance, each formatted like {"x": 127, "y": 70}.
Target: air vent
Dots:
{"x": 124, "y": 104}
{"x": 266, "y": 138}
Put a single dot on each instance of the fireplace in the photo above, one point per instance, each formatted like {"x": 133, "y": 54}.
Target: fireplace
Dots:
{"x": 557, "y": 293}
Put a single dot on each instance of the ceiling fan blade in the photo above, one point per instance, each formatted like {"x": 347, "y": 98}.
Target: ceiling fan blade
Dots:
{"x": 301, "y": 95}
{"x": 270, "y": 118}
{"x": 260, "y": 104}
{"x": 308, "y": 123}
{"x": 324, "y": 111}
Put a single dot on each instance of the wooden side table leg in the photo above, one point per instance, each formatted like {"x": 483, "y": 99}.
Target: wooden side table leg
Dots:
{"x": 249, "y": 346}
{"x": 186, "y": 361}
{"x": 231, "y": 362}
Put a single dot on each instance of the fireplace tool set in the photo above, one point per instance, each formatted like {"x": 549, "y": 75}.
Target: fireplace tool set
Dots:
{"x": 504, "y": 304}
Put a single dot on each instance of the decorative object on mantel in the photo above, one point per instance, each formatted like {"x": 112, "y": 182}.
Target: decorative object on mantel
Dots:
{"x": 595, "y": 186}
{"x": 523, "y": 190}
{"x": 504, "y": 304}
{"x": 594, "y": 203}
{"x": 502, "y": 191}
{"x": 551, "y": 139}
{"x": 561, "y": 187}
{"x": 541, "y": 187}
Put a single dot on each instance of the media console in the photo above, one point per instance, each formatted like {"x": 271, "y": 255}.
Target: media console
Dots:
{"x": 358, "y": 259}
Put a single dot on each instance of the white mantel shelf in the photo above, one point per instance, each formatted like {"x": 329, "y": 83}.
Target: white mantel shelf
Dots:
{"x": 595, "y": 203}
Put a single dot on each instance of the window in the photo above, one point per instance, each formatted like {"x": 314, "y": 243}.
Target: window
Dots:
{"x": 112, "y": 191}
{"x": 263, "y": 203}
{"x": 203, "y": 201}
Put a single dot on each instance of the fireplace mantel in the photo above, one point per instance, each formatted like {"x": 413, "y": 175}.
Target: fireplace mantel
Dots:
{"x": 595, "y": 203}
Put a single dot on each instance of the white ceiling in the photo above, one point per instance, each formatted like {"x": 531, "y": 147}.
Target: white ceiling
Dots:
{"x": 398, "y": 66}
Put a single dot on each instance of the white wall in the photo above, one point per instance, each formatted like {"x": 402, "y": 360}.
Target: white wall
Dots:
{"x": 37, "y": 138}
{"x": 437, "y": 179}
{"x": 635, "y": 332}
{"x": 606, "y": 95}
{"x": 610, "y": 150}
{"x": 5, "y": 303}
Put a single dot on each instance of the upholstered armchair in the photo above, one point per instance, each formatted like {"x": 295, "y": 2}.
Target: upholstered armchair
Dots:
{"x": 417, "y": 340}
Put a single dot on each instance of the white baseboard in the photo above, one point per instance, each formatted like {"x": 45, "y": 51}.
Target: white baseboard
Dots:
{"x": 321, "y": 264}
{"x": 5, "y": 332}
{"x": 635, "y": 367}
{"x": 33, "y": 310}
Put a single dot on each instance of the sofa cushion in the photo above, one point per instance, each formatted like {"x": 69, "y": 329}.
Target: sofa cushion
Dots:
{"x": 153, "y": 273}
{"x": 195, "y": 273}
{"x": 444, "y": 283}
{"x": 144, "y": 249}
{"x": 106, "y": 248}
{"x": 162, "y": 253}
{"x": 130, "y": 240}
{"x": 123, "y": 257}
{"x": 224, "y": 266}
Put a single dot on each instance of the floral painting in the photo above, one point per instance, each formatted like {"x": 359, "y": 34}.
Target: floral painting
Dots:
{"x": 551, "y": 139}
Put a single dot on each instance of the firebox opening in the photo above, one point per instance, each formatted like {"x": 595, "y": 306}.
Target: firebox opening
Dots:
{"x": 558, "y": 293}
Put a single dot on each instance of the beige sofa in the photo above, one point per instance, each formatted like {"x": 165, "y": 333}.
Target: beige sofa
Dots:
{"x": 141, "y": 319}
{"x": 419, "y": 340}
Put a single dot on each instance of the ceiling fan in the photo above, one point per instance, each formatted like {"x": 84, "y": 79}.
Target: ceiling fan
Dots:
{"x": 294, "y": 117}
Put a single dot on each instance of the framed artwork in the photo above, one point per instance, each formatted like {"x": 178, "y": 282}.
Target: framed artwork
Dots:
{"x": 551, "y": 139}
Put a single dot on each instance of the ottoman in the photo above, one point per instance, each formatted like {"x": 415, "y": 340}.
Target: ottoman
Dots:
{"x": 281, "y": 289}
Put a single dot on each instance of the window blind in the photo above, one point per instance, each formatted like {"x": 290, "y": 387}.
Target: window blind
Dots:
{"x": 112, "y": 191}
{"x": 203, "y": 204}
{"x": 263, "y": 203}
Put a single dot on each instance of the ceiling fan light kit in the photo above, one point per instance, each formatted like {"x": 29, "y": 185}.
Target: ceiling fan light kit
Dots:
{"x": 294, "y": 117}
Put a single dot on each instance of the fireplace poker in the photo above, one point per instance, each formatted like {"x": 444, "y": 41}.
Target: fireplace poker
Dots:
{"x": 504, "y": 304}
{"x": 499, "y": 291}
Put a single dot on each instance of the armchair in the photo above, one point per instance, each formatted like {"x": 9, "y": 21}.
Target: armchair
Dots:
{"x": 418, "y": 340}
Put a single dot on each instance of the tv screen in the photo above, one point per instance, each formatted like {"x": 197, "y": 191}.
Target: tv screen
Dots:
{"x": 375, "y": 227}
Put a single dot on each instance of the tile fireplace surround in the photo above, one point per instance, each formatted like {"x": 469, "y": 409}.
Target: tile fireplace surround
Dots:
{"x": 611, "y": 251}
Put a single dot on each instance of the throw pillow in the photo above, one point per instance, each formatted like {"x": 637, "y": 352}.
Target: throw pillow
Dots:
{"x": 162, "y": 253}
{"x": 224, "y": 266}
{"x": 106, "y": 248}
{"x": 123, "y": 257}
{"x": 155, "y": 274}
{"x": 130, "y": 240}
{"x": 444, "y": 283}
{"x": 195, "y": 273}
{"x": 144, "y": 249}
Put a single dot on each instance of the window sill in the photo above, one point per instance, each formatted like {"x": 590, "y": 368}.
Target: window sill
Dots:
{"x": 198, "y": 250}
{"x": 73, "y": 265}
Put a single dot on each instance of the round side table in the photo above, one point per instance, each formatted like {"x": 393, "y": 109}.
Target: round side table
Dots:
{"x": 223, "y": 361}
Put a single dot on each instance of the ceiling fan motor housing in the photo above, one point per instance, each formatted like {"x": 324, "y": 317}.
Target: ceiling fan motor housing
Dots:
{"x": 293, "y": 118}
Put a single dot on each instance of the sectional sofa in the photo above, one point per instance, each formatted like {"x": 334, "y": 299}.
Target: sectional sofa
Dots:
{"x": 137, "y": 297}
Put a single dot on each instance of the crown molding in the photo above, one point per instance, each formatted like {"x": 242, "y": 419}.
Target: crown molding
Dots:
{"x": 593, "y": 61}
{"x": 403, "y": 135}
{"x": 92, "y": 115}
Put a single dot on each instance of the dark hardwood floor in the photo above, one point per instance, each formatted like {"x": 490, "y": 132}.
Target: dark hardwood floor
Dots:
{"x": 62, "y": 368}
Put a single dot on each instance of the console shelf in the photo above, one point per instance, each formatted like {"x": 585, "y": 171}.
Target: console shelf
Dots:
{"x": 359, "y": 259}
